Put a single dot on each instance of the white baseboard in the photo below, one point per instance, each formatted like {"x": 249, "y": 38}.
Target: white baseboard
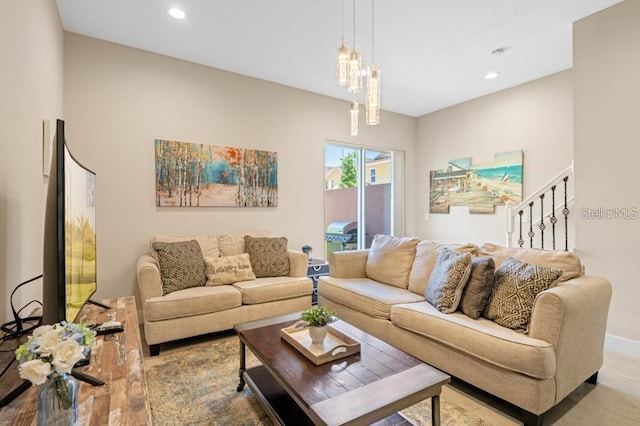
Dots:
{"x": 622, "y": 346}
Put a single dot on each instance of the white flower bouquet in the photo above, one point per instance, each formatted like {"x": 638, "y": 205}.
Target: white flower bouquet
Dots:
{"x": 53, "y": 350}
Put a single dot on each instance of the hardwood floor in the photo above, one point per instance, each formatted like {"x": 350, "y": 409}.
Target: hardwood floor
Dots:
{"x": 615, "y": 400}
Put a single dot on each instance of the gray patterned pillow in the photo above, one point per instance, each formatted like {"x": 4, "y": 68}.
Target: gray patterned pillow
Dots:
{"x": 268, "y": 255}
{"x": 181, "y": 265}
{"x": 477, "y": 291}
{"x": 448, "y": 279}
{"x": 515, "y": 289}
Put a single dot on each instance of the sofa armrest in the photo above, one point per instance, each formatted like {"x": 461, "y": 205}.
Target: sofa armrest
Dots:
{"x": 298, "y": 262}
{"x": 573, "y": 317}
{"x": 148, "y": 277}
{"x": 348, "y": 264}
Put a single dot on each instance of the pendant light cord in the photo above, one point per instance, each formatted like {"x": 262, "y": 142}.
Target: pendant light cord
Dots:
{"x": 354, "y": 25}
{"x": 342, "y": 10}
{"x": 373, "y": 33}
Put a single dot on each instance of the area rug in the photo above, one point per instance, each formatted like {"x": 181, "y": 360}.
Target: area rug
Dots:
{"x": 195, "y": 384}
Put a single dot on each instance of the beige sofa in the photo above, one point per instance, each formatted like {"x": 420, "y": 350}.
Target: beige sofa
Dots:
{"x": 534, "y": 371}
{"x": 209, "y": 308}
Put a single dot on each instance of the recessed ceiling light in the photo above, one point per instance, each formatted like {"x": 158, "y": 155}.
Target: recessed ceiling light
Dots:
{"x": 491, "y": 75}
{"x": 177, "y": 13}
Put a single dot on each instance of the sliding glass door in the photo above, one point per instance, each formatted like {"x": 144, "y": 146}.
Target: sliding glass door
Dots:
{"x": 359, "y": 196}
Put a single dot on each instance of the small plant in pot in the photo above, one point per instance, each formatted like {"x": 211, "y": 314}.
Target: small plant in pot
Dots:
{"x": 316, "y": 319}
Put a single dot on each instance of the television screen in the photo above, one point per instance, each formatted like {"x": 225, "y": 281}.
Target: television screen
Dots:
{"x": 69, "y": 276}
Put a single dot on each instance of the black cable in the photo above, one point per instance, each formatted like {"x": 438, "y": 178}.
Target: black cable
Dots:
{"x": 13, "y": 329}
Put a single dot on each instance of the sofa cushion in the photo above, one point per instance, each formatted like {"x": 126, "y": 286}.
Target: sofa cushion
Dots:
{"x": 232, "y": 244}
{"x": 516, "y": 286}
{"x": 181, "y": 265}
{"x": 390, "y": 259}
{"x": 565, "y": 260}
{"x": 273, "y": 288}
{"x": 269, "y": 257}
{"x": 365, "y": 295}
{"x": 480, "y": 338}
{"x": 208, "y": 243}
{"x": 228, "y": 269}
{"x": 448, "y": 279}
{"x": 192, "y": 301}
{"x": 426, "y": 256}
{"x": 478, "y": 289}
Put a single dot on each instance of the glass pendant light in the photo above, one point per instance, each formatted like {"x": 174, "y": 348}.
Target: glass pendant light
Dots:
{"x": 373, "y": 95}
{"x": 355, "y": 72}
{"x": 355, "y": 111}
{"x": 355, "y": 61}
{"x": 372, "y": 101}
{"x": 342, "y": 59}
{"x": 342, "y": 74}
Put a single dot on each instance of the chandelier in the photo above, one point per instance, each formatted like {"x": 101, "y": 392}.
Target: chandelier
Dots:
{"x": 349, "y": 73}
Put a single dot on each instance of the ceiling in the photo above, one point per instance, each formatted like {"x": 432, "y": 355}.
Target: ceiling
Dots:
{"x": 433, "y": 53}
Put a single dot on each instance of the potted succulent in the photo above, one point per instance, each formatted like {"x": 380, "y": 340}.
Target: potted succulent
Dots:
{"x": 316, "y": 319}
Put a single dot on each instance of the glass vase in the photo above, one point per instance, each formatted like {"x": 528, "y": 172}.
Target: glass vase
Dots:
{"x": 58, "y": 401}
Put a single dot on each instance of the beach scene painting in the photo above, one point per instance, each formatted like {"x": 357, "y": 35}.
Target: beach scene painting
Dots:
{"x": 198, "y": 175}
{"x": 480, "y": 187}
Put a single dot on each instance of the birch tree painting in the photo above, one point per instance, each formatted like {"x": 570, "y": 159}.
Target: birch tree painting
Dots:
{"x": 193, "y": 175}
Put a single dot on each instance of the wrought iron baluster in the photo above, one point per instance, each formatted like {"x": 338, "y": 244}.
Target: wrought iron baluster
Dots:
{"x": 542, "y": 226}
{"x": 553, "y": 219}
{"x": 520, "y": 240}
{"x": 531, "y": 233}
{"x": 566, "y": 212}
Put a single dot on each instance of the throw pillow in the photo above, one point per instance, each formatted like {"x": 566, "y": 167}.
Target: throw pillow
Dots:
{"x": 427, "y": 253}
{"x": 181, "y": 265}
{"x": 228, "y": 269}
{"x": 516, "y": 286}
{"x": 232, "y": 244}
{"x": 390, "y": 259}
{"x": 477, "y": 291}
{"x": 565, "y": 260}
{"x": 268, "y": 256}
{"x": 448, "y": 279}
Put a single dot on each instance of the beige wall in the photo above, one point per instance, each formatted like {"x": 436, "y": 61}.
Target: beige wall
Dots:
{"x": 536, "y": 117}
{"x": 118, "y": 100}
{"x": 607, "y": 149}
{"x": 31, "y": 48}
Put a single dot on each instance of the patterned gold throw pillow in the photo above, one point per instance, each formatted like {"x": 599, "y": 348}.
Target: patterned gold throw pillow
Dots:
{"x": 228, "y": 269}
{"x": 268, "y": 256}
{"x": 515, "y": 289}
{"x": 448, "y": 279}
{"x": 181, "y": 265}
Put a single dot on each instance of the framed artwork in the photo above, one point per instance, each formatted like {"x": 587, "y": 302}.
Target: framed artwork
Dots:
{"x": 480, "y": 187}
{"x": 197, "y": 175}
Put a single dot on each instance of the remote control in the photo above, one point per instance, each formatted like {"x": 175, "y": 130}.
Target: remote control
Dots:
{"x": 109, "y": 327}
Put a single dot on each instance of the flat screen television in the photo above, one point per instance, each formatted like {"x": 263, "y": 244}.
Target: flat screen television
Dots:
{"x": 69, "y": 258}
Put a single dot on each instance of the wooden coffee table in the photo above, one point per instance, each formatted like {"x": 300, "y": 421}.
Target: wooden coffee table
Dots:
{"x": 364, "y": 388}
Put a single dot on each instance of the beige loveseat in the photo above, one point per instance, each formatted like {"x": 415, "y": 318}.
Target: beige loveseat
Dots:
{"x": 563, "y": 345}
{"x": 212, "y": 307}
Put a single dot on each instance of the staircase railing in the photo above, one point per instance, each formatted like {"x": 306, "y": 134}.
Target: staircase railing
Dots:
{"x": 557, "y": 212}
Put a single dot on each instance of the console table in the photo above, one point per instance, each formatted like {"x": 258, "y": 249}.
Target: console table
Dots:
{"x": 117, "y": 360}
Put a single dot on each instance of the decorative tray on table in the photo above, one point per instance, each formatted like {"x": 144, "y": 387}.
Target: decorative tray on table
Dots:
{"x": 335, "y": 346}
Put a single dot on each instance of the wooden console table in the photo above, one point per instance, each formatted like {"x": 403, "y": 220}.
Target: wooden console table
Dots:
{"x": 116, "y": 360}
